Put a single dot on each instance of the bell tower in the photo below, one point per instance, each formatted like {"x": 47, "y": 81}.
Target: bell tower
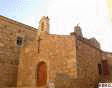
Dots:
{"x": 78, "y": 31}
{"x": 44, "y": 25}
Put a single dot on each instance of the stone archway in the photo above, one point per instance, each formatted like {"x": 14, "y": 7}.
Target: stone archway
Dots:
{"x": 41, "y": 74}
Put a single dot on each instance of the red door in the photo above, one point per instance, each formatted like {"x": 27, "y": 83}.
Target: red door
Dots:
{"x": 42, "y": 74}
{"x": 106, "y": 72}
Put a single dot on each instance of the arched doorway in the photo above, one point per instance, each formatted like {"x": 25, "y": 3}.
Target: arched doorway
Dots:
{"x": 41, "y": 74}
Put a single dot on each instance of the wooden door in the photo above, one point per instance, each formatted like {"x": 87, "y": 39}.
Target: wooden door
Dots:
{"x": 42, "y": 74}
{"x": 105, "y": 67}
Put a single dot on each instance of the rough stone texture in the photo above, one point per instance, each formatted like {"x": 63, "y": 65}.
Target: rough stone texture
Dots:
{"x": 68, "y": 61}
{"x": 58, "y": 52}
{"x": 88, "y": 58}
{"x": 9, "y": 51}
{"x": 71, "y": 60}
{"x": 94, "y": 42}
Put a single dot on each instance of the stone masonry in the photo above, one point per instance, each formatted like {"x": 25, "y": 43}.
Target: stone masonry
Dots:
{"x": 34, "y": 58}
{"x": 9, "y": 50}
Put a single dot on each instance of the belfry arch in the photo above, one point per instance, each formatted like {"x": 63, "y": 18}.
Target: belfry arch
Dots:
{"x": 41, "y": 74}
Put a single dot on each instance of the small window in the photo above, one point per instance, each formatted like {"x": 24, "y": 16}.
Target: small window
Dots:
{"x": 19, "y": 41}
{"x": 100, "y": 69}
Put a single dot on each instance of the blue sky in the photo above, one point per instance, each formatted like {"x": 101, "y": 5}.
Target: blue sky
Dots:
{"x": 22, "y": 9}
{"x": 92, "y": 15}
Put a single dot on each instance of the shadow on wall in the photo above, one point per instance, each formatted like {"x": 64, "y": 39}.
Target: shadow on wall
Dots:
{"x": 65, "y": 81}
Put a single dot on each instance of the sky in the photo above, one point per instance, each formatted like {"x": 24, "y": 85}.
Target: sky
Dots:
{"x": 93, "y": 16}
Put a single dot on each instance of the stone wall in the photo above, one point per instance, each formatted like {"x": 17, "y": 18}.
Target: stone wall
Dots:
{"x": 58, "y": 52}
{"x": 72, "y": 61}
{"x": 88, "y": 58}
{"x": 9, "y": 50}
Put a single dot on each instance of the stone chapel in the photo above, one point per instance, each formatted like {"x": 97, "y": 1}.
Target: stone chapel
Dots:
{"x": 34, "y": 58}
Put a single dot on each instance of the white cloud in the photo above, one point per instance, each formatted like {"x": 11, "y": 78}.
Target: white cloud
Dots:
{"x": 65, "y": 14}
{"x": 91, "y": 14}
